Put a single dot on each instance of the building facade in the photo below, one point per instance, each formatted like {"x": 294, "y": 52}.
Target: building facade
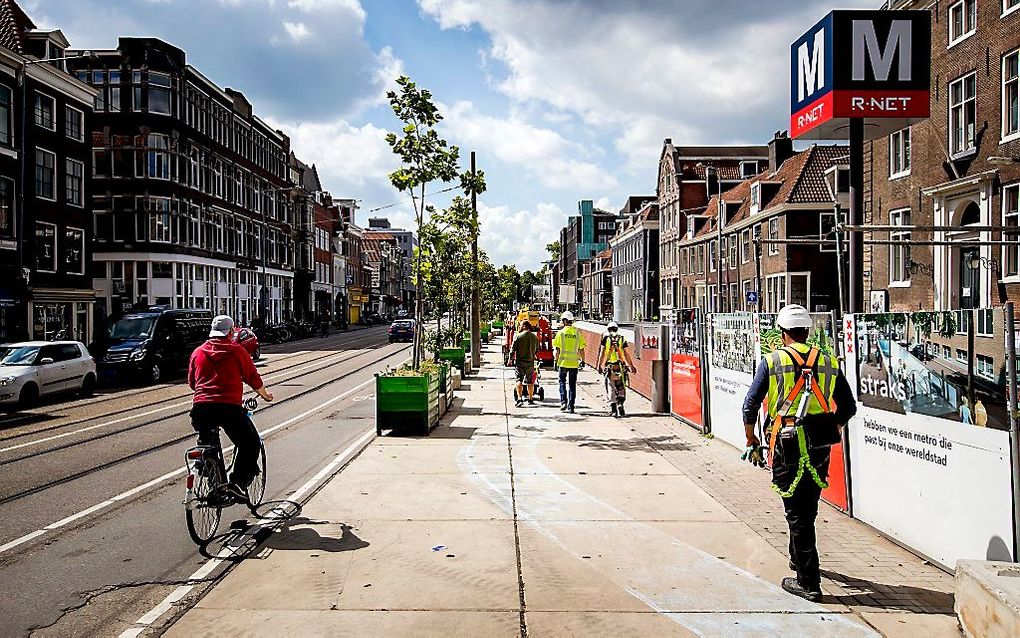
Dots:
{"x": 408, "y": 243}
{"x": 635, "y": 249}
{"x": 596, "y": 284}
{"x": 385, "y": 259}
{"x": 45, "y": 207}
{"x": 683, "y": 187}
{"x": 191, "y": 190}
{"x": 958, "y": 172}
{"x": 585, "y": 234}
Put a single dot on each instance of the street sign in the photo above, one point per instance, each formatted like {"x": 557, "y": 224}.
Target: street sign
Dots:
{"x": 752, "y": 297}
{"x": 874, "y": 65}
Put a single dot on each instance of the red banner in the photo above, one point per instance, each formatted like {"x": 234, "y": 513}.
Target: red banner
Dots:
{"x": 685, "y": 388}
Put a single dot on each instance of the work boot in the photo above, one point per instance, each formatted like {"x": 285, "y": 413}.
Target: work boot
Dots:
{"x": 563, "y": 407}
{"x": 793, "y": 586}
{"x": 570, "y": 410}
{"x": 612, "y": 410}
{"x": 621, "y": 411}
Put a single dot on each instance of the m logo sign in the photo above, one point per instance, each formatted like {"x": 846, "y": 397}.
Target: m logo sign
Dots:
{"x": 873, "y": 65}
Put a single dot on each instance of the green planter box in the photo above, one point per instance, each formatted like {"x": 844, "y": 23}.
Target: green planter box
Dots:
{"x": 466, "y": 343}
{"x": 485, "y": 333}
{"x": 497, "y": 324}
{"x": 455, "y": 356}
{"x": 407, "y": 403}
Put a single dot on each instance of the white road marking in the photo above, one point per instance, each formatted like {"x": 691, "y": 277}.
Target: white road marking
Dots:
{"x": 169, "y": 475}
{"x": 155, "y": 411}
{"x": 271, "y": 522}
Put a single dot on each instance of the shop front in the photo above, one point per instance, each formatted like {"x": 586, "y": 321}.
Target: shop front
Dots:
{"x": 61, "y": 313}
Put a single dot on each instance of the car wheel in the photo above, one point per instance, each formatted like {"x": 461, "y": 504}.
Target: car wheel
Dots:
{"x": 88, "y": 386}
{"x": 29, "y": 396}
{"x": 155, "y": 373}
{"x": 257, "y": 354}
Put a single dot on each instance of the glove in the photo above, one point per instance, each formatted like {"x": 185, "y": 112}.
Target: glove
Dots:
{"x": 755, "y": 455}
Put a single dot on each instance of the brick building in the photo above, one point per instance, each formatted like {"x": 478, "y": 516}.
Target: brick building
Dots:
{"x": 585, "y": 234}
{"x": 636, "y": 264}
{"x": 788, "y": 200}
{"x": 596, "y": 283}
{"x": 959, "y": 169}
{"x": 683, "y": 189}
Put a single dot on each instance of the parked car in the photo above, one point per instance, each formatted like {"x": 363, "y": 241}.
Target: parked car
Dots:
{"x": 402, "y": 330}
{"x": 34, "y": 369}
{"x": 247, "y": 339}
{"x": 152, "y": 344}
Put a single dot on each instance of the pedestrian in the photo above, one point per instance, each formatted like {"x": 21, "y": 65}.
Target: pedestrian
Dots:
{"x": 522, "y": 357}
{"x": 614, "y": 352}
{"x": 980, "y": 414}
{"x": 568, "y": 353}
{"x": 809, "y": 400}
{"x": 965, "y": 413}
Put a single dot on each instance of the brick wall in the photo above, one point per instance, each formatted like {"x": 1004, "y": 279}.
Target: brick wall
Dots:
{"x": 641, "y": 381}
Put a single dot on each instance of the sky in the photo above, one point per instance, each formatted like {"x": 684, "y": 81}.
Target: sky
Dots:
{"x": 562, "y": 100}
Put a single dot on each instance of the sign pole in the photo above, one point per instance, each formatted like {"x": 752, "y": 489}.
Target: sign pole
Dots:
{"x": 1014, "y": 426}
{"x": 856, "y": 214}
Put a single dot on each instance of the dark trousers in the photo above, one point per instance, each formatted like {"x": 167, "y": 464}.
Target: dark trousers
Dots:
{"x": 568, "y": 387}
{"x": 801, "y": 511}
{"x": 207, "y": 418}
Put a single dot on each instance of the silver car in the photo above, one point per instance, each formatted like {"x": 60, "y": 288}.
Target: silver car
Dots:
{"x": 33, "y": 369}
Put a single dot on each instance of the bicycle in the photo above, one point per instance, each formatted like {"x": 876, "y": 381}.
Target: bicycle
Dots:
{"x": 207, "y": 478}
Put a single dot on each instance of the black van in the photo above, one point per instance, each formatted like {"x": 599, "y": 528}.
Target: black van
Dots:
{"x": 150, "y": 344}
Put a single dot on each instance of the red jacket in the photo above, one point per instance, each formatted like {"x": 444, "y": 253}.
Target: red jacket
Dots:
{"x": 217, "y": 370}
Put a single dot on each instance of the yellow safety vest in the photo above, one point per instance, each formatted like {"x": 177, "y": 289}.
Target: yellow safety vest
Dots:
{"x": 613, "y": 350}
{"x": 568, "y": 343}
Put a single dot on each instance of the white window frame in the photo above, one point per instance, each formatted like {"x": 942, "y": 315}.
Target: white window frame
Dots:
{"x": 962, "y": 81}
{"x": 713, "y": 248}
{"x": 983, "y": 361}
{"x": 745, "y": 246}
{"x": 1011, "y": 219}
{"x": 824, "y": 247}
{"x": 968, "y": 30}
{"x": 81, "y": 185}
{"x": 754, "y": 169}
{"x": 774, "y": 234}
{"x": 56, "y": 245}
{"x": 899, "y": 279}
{"x": 896, "y": 143}
{"x": 1007, "y": 9}
{"x": 81, "y": 119}
{"x": 53, "y": 102}
{"x": 35, "y": 165}
{"x": 1008, "y": 136}
{"x": 755, "y": 198}
{"x": 10, "y": 116}
{"x": 83, "y": 265}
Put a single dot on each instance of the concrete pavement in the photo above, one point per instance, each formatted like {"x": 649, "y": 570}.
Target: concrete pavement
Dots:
{"x": 526, "y": 521}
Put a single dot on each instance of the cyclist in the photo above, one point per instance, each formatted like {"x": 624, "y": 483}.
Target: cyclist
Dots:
{"x": 217, "y": 372}
{"x": 614, "y": 353}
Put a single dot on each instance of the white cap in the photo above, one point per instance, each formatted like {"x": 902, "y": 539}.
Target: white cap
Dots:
{"x": 222, "y": 326}
{"x": 612, "y": 326}
{"x": 794, "y": 316}
{"x": 567, "y": 316}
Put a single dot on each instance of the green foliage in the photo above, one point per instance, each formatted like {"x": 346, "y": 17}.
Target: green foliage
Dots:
{"x": 553, "y": 249}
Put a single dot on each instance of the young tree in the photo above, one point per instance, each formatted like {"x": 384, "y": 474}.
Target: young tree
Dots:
{"x": 424, "y": 157}
{"x": 553, "y": 248}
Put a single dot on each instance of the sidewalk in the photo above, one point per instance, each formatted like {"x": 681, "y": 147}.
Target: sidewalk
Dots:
{"x": 511, "y": 519}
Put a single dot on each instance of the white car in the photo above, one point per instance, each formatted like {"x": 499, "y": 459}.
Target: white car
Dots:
{"x": 33, "y": 369}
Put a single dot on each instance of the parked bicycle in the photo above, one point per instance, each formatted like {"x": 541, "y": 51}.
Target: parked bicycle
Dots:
{"x": 207, "y": 478}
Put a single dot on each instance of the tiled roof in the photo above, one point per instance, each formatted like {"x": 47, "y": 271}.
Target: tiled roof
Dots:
{"x": 722, "y": 151}
{"x": 811, "y": 187}
{"x": 379, "y": 235}
{"x": 14, "y": 22}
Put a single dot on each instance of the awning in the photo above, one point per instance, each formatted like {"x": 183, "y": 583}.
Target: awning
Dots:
{"x": 63, "y": 295}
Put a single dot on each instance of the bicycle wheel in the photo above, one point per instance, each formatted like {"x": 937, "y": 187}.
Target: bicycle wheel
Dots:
{"x": 257, "y": 488}
{"x": 204, "y": 519}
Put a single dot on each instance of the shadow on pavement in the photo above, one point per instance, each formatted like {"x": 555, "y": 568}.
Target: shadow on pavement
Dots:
{"x": 903, "y": 597}
{"x": 638, "y": 444}
{"x": 451, "y": 432}
{"x": 309, "y": 538}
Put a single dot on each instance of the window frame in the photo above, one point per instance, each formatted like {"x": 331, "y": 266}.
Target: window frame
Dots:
{"x": 774, "y": 226}
{"x": 899, "y": 217}
{"x": 53, "y": 181}
{"x": 12, "y": 212}
{"x": 1014, "y": 246}
{"x": 1007, "y": 9}
{"x": 68, "y": 161}
{"x": 956, "y": 38}
{"x": 904, "y": 153}
{"x": 745, "y": 245}
{"x": 35, "y": 256}
{"x": 10, "y": 117}
{"x": 822, "y": 234}
{"x": 1015, "y": 81}
{"x": 67, "y": 231}
{"x": 53, "y": 112}
{"x": 67, "y": 121}
{"x": 962, "y": 106}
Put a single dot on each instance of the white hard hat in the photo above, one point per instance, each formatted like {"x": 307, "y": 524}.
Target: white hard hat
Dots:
{"x": 567, "y": 316}
{"x": 794, "y": 316}
{"x": 612, "y": 326}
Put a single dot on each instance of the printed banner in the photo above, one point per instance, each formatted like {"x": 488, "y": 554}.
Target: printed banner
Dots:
{"x": 685, "y": 367}
{"x": 929, "y": 446}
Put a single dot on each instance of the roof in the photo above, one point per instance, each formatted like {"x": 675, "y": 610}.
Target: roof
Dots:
{"x": 14, "y": 23}
{"x": 379, "y": 235}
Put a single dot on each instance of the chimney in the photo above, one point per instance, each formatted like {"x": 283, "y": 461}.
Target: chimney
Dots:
{"x": 780, "y": 150}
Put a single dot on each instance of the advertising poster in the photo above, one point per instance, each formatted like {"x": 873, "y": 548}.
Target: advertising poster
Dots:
{"x": 734, "y": 355}
{"x": 685, "y": 368}
{"x": 931, "y": 419}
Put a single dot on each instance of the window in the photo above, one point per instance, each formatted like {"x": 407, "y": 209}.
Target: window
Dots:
{"x": 947, "y": 353}
{"x": 899, "y": 153}
{"x": 713, "y": 248}
{"x": 961, "y": 355}
{"x": 748, "y": 169}
{"x": 1011, "y": 220}
{"x": 74, "y": 251}
{"x": 100, "y": 162}
{"x": 74, "y": 123}
{"x": 984, "y": 326}
{"x": 775, "y": 289}
{"x": 159, "y": 93}
{"x": 745, "y": 246}
{"x": 962, "y": 20}
{"x": 755, "y": 198}
{"x": 733, "y": 251}
{"x": 1009, "y": 6}
{"x": 962, "y": 114}
{"x": 899, "y": 253}
{"x": 6, "y": 208}
{"x": 45, "y": 247}
{"x": 45, "y": 174}
{"x": 136, "y": 90}
{"x": 74, "y": 182}
{"x": 774, "y": 234}
{"x": 1011, "y": 94}
{"x": 157, "y": 157}
{"x": 6, "y": 123}
{"x": 827, "y": 232}
{"x": 45, "y": 112}
{"x": 113, "y": 97}
{"x": 985, "y": 367}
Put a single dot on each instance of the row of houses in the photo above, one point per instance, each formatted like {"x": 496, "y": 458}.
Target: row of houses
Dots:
{"x": 128, "y": 177}
{"x": 751, "y": 227}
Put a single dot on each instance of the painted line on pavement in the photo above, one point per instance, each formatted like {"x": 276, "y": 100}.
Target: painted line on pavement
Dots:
{"x": 270, "y": 523}
{"x": 169, "y": 475}
{"x": 155, "y": 411}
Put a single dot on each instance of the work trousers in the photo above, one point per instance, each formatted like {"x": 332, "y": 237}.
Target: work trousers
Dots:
{"x": 208, "y": 418}
{"x": 616, "y": 384}
{"x": 801, "y": 511}
{"x": 568, "y": 387}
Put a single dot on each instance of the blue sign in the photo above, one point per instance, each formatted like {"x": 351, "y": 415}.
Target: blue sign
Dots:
{"x": 752, "y": 297}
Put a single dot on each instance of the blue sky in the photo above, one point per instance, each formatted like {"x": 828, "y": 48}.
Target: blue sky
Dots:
{"x": 562, "y": 99}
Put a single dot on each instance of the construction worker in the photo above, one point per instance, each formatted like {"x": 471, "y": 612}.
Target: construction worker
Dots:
{"x": 809, "y": 400}
{"x": 522, "y": 357}
{"x": 614, "y": 353}
{"x": 568, "y": 353}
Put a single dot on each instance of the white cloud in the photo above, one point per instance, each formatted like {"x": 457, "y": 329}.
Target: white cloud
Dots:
{"x": 311, "y": 6}
{"x": 297, "y": 31}
{"x": 519, "y": 237}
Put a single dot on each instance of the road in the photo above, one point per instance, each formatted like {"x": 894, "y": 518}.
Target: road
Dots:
{"x": 92, "y": 531}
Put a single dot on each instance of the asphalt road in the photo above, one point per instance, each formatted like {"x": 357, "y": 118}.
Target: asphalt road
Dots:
{"x": 113, "y": 551}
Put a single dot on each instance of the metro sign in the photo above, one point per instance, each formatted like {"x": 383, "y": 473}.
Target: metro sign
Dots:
{"x": 874, "y": 65}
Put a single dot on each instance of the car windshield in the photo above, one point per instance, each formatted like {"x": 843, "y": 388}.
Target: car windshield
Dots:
{"x": 132, "y": 328}
{"x": 18, "y": 356}
{"x": 403, "y": 324}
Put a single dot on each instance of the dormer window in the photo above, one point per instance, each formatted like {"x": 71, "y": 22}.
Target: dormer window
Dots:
{"x": 748, "y": 170}
{"x": 54, "y": 52}
{"x": 755, "y": 198}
